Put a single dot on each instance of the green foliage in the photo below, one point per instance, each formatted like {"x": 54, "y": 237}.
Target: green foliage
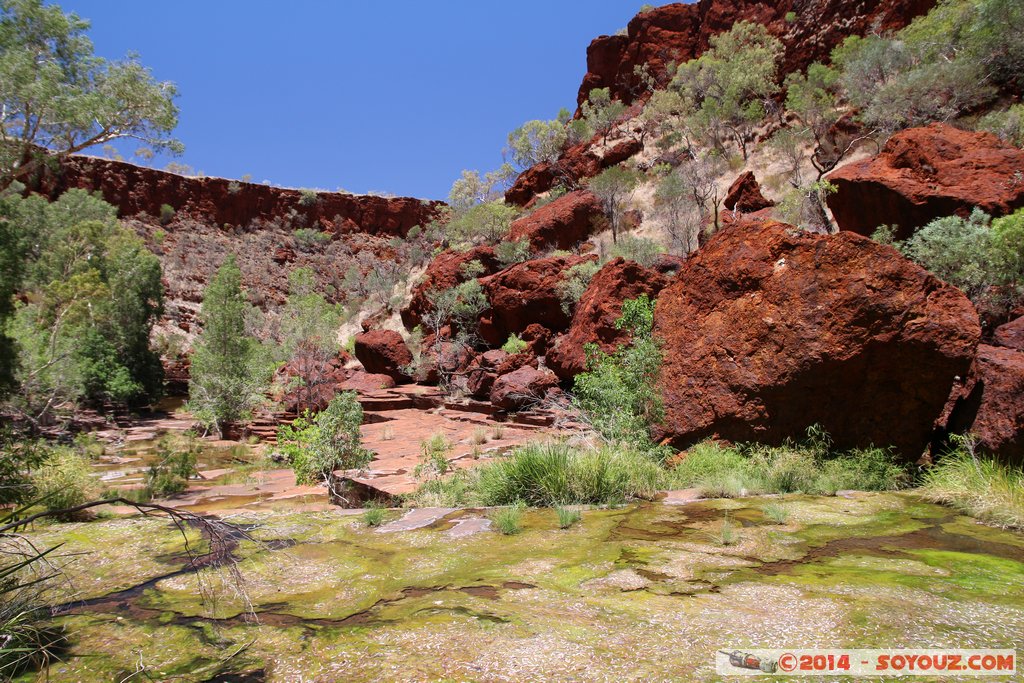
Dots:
{"x": 434, "y": 456}
{"x": 726, "y": 88}
{"x": 514, "y": 344}
{"x": 644, "y": 251}
{"x": 470, "y": 189}
{"x": 93, "y": 293}
{"x": 460, "y": 305}
{"x": 229, "y": 370}
{"x": 19, "y": 456}
{"x": 567, "y": 517}
{"x": 373, "y": 515}
{"x": 982, "y": 257}
{"x": 575, "y": 282}
{"x": 167, "y": 213}
{"x": 618, "y": 393}
{"x": 59, "y": 96}
{"x": 508, "y": 520}
{"x": 614, "y": 186}
{"x": 510, "y": 252}
{"x": 977, "y": 485}
{"x": 308, "y": 239}
{"x": 307, "y": 319}
{"x": 1008, "y": 124}
{"x": 488, "y": 222}
{"x": 556, "y": 473}
{"x": 174, "y": 467}
{"x": 535, "y": 142}
{"x": 318, "y": 445}
{"x": 775, "y": 513}
{"x": 809, "y": 466}
{"x": 308, "y": 197}
{"x": 65, "y": 480}
{"x": 30, "y": 639}
{"x": 598, "y": 115}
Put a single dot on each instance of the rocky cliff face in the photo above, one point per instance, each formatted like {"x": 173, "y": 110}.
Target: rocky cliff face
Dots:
{"x": 680, "y": 32}
{"x": 221, "y": 202}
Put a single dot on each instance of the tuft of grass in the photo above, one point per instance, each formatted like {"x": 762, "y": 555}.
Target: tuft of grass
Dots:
{"x": 567, "y": 517}
{"x": 979, "y": 486}
{"x": 727, "y": 535}
{"x": 479, "y": 436}
{"x": 554, "y": 473}
{"x": 373, "y": 515}
{"x": 497, "y": 432}
{"x": 434, "y": 458}
{"x": 809, "y": 466}
{"x": 508, "y": 520}
{"x": 775, "y": 513}
{"x": 456, "y": 490}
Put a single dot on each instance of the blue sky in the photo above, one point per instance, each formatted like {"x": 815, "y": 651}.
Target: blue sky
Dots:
{"x": 394, "y": 96}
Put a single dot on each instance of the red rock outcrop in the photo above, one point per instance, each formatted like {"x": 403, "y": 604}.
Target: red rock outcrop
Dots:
{"x": 523, "y": 294}
{"x": 680, "y": 32}
{"x": 562, "y": 224}
{"x": 135, "y": 189}
{"x": 320, "y": 381}
{"x": 522, "y": 387}
{"x": 483, "y": 372}
{"x": 1010, "y": 335}
{"x": 383, "y": 352}
{"x": 926, "y": 173}
{"x": 596, "y": 313}
{"x": 365, "y": 381}
{"x": 577, "y": 164}
{"x": 445, "y": 271}
{"x": 768, "y": 331}
{"x": 745, "y": 196}
{"x": 990, "y": 405}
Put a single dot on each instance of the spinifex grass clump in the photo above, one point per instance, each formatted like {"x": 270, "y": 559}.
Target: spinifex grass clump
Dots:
{"x": 977, "y": 485}
{"x": 775, "y": 513}
{"x": 555, "y": 473}
{"x": 373, "y": 515}
{"x": 567, "y": 517}
{"x": 809, "y": 466}
{"x": 508, "y": 520}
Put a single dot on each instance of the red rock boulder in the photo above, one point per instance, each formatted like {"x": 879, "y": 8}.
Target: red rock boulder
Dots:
{"x": 991, "y": 405}
{"x": 309, "y": 383}
{"x": 575, "y": 165}
{"x": 562, "y": 224}
{"x": 768, "y": 331}
{"x": 524, "y": 294}
{"x": 926, "y": 173}
{"x": 383, "y": 352}
{"x": 1010, "y": 335}
{"x": 745, "y": 196}
{"x": 598, "y": 309}
{"x": 483, "y": 372}
{"x": 445, "y": 271}
{"x": 365, "y": 381}
{"x": 522, "y": 388}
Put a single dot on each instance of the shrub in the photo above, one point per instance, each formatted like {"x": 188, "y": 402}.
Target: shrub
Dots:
{"x": 317, "y": 446}
{"x": 617, "y": 393}
{"x": 234, "y": 187}
{"x": 373, "y": 515}
{"x": 575, "y": 283}
{"x": 555, "y": 473}
{"x": 511, "y": 252}
{"x": 977, "y": 485}
{"x": 508, "y": 520}
{"x": 567, "y": 517}
{"x": 434, "y": 456}
{"x": 307, "y": 239}
{"x": 514, "y": 344}
{"x": 65, "y": 480}
{"x": 1007, "y": 124}
{"x": 308, "y": 197}
{"x": 174, "y": 467}
{"x": 459, "y": 489}
{"x": 19, "y": 456}
{"x": 166, "y": 214}
{"x": 775, "y": 513}
{"x": 640, "y": 249}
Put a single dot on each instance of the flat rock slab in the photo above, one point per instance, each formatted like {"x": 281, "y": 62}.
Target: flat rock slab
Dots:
{"x": 681, "y": 496}
{"x": 416, "y": 519}
{"x": 468, "y": 526}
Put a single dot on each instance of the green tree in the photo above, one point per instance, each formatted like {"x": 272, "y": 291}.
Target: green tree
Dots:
{"x": 309, "y": 334}
{"x": 330, "y": 440}
{"x": 59, "y": 98}
{"x": 598, "y": 114}
{"x": 726, "y": 88}
{"x": 488, "y": 222}
{"x": 228, "y": 373}
{"x": 614, "y": 187}
{"x": 537, "y": 141}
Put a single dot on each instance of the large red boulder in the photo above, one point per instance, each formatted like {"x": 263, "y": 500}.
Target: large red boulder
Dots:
{"x": 1010, "y": 335}
{"x": 523, "y": 387}
{"x": 447, "y": 270}
{"x": 383, "y": 352}
{"x": 767, "y": 331}
{"x": 364, "y": 381}
{"x": 991, "y": 404}
{"x": 679, "y": 32}
{"x": 309, "y": 383}
{"x": 562, "y": 224}
{"x": 745, "y": 196}
{"x": 926, "y": 173}
{"x": 483, "y": 372}
{"x": 524, "y": 294}
{"x": 598, "y": 309}
{"x": 576, "y": 164}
